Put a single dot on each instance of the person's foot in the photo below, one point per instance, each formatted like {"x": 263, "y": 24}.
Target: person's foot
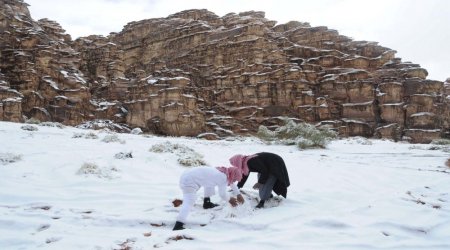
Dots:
{"x": 260, "y": 205}
{"x": 178, "y": 226}
{"x": 207, "y": 204}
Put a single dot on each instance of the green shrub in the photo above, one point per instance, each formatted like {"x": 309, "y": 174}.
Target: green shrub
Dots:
{"x": 440, "y": 142}
{"x": 303, "y": 135}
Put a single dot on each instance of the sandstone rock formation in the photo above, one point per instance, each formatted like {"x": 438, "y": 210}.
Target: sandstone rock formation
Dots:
{"x": 39, "y": 68}
{"x": 196, "y": 72}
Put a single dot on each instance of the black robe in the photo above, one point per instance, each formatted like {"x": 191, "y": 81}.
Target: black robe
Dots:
{"x": 267, "y": 164}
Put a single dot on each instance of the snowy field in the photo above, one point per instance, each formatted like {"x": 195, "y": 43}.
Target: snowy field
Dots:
{"x": 68, "y": 188}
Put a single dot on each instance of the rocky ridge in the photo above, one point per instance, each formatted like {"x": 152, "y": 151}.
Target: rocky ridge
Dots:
{"x": 195, "y": 72}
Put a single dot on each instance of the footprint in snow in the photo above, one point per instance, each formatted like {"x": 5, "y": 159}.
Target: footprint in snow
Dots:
{"x": 52, "y": 239}
{"x": 43, "y": 227}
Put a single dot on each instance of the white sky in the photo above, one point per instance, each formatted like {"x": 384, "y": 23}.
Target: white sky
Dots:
{"x": 419, "y": 30}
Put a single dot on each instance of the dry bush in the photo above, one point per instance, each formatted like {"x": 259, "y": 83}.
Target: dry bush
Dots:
{"x": 89, "y": 168}
{"x": 52, "y": 124}
{"x": 123, "y": 155}
{"x": 91, "y": 135}
{"x": 112, "y": 138}
{"x": 186, "y": 156}
{"x": 29, "y": 128}
{"x": 77, "y": 135}
{"x": 32, "y": 121}
{"x": 136, "y": 131}
{"x": 7, "y": 158}
{"x": 440, "y": 142}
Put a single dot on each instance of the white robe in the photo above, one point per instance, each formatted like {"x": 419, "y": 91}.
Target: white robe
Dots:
{"x": 208, "y": 178}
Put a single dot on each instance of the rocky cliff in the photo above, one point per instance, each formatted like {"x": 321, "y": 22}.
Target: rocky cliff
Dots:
{"x": 196, "y": 72}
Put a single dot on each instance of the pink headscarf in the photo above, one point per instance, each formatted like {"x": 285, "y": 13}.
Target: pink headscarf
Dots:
{"x": 233, "y": 174}
{"x": 240, "y": 161}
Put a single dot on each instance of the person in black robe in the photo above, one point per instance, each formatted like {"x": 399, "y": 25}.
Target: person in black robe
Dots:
{"x": 272, "y": 173}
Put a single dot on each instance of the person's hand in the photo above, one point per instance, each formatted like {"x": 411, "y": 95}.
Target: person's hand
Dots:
{"x": 257, "y": 185}
{"x": 233, "y": 202}
{"x": 240, "y": 198}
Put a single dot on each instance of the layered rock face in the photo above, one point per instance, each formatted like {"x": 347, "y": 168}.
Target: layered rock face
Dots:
{"x": 196, "y": 72}
{"x": 40, "y": 75}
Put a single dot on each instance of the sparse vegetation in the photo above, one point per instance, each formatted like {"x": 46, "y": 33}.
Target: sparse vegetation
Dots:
{"x": 104, "y": 125}
{"x": 359, "y": 140}
{"x": 136, "y": 131}
{"x": 112, "y": 138}
{"x": 441, "y": 142}
{"x": 416, "y": 147}
{"x": 29, "y": 128}
{"x": 32, "y": 121}
{"x": 191, "y": 160}
{"x": 52, "y": 124}
{"x": 7, "y": 158}
{"x": 44, "y": 124}
{"x": 89, "y": 135}
{"x": 77, "y": 135}
{"x": 441, "y": 147}
{"x": 186, "y": 156}
{"x": 303, "y": 135}
{"x": 123, "y": 155}
{"x": 89, "y": 168}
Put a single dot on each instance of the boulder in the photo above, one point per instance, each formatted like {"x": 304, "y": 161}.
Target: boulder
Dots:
{"x": 391, "y": 131}
{"x": 422, "y": 135}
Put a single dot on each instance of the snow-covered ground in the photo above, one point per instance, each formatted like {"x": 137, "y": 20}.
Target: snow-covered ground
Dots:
{"x": 67, "y": 189}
